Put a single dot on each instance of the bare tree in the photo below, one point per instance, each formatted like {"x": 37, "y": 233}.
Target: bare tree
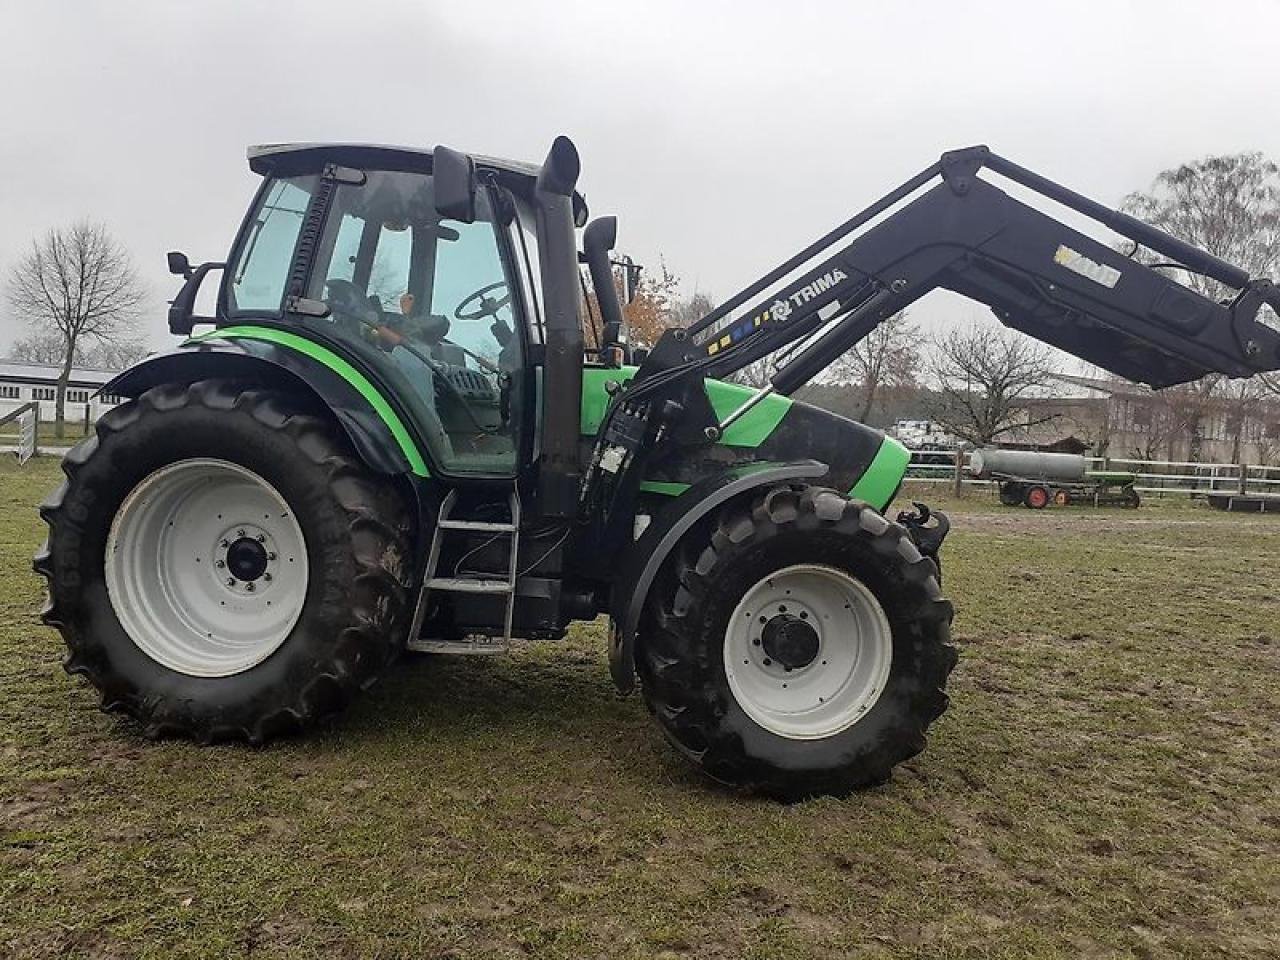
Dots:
{"x": 42, "y": 346}
{"x": 80, "y": 283}
{"x": 887, "y": 357}
{"x": 757, "y": 373}
{"x": 686, "y": 310}
{"x": 1229, "y": 206}
{"x": 115, "y": 354}
{"x": 984, "y": 379}
{"x": 48, "y": 346}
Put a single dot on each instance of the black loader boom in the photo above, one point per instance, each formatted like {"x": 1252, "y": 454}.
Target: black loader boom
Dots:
{"x": 1037, "y": 274}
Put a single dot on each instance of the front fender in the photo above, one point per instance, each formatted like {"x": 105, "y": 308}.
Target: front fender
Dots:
{"x": 378, "y": 435}
{"x": 645, "y": 556}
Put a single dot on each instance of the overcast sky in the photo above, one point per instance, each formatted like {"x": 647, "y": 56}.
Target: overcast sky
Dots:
{"x": 724, "y": 135}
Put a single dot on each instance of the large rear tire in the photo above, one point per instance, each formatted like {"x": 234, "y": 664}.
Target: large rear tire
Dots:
{"x": 220, "y": 564}
{"x": 837, "y": 666}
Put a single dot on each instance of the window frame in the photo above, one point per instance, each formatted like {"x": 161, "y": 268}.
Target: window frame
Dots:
{"x": 243, "y": 235}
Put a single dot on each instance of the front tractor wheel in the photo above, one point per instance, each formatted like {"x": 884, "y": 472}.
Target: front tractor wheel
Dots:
{"x": 221, "y": 566}
{"x": 797, "y": 645}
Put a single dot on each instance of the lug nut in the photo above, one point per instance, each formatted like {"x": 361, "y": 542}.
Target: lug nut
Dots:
{"x": 219, "y": 564}
{"x": 231, "y": 581}
{"x": 240, "y": 532}
{"x": 249, "y": 586}
{"x": 270, "y": 555}
{"x": 266, "y": 577}
{"x": 224, "y": 544}
{"x": 262, "y": 538}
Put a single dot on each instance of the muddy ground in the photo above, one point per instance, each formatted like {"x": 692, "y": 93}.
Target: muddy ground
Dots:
{"x": 1104, "y": 785}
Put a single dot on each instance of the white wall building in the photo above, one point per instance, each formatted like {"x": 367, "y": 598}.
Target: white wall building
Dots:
{"x": 22, "y": 382}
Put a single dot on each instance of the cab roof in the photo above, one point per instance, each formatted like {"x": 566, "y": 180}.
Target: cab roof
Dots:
{"x": 287, "y": 159}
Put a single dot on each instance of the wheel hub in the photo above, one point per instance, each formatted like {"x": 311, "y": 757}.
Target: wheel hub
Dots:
{"x": 206, "y": 567}
{"x": 790, "y": 641}
{"x": 247, "y": 559}
{"x": 807, "y": 652}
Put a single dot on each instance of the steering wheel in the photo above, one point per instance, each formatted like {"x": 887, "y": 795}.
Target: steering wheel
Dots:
{"x": 488, "y": 306}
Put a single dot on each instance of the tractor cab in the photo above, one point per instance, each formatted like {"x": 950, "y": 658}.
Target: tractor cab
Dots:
{"x": 418, "y": 267}
{"x": 438, "y": 307}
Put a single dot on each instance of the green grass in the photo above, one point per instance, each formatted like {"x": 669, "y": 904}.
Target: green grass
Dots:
{"x": 1104, "y": 785}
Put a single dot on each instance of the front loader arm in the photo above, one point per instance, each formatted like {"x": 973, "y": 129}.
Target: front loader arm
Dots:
{"x": 1037, "y": 274}
{"x": 955, "y": 230}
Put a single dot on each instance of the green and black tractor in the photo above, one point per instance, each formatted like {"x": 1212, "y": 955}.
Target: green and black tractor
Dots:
{"x": 413, "y": 426}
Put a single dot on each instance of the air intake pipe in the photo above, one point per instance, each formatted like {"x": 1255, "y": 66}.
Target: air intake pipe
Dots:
{"x": 597, "y": 241}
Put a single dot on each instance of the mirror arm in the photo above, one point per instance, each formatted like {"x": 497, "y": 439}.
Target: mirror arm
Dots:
{"x": 181, "y": 318}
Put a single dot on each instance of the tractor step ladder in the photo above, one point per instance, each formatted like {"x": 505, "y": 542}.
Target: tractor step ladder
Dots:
{"x": 446, "y": 523}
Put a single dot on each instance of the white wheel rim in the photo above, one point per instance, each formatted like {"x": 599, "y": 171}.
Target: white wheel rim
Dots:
{"x": 206, "y": 567}
{"x": 848, "y": 672}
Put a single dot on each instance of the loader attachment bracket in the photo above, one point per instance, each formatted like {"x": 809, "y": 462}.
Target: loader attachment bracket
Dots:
{"x": 927, "y": 529}
{"x": 959, "y": 167}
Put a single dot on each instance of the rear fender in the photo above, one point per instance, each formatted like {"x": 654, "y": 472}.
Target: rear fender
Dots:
{"x": 373, "y": 437}
{"x": 645, "y": 556}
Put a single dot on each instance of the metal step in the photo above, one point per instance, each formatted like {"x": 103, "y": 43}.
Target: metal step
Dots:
{"x": 477, "y": 526}
{"x": 445, "y": 523}
{"x": 469, "y": 585}
{"x": 477, "y": 647}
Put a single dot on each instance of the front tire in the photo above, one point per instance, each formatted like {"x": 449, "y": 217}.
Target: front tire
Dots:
{"x": 221, "y": 566}
{"x": 821, "y": 697}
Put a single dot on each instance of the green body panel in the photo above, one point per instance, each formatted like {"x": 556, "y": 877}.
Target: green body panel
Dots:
{"x": 882, "y": 479}
{"x": 339, "y": 366}
{"x": 668, "y": 488}
{"x": 750, "y": 430}
{"x": 876, "y": 484}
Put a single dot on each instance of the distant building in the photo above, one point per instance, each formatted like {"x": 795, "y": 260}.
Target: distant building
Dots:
{"x": 1121, "y": 419}
{"x": 22, "y": 382}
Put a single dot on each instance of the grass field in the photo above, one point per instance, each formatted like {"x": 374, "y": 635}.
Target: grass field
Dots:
{"x": 1106, "y": 784}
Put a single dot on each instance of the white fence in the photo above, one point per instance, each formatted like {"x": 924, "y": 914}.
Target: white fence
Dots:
{"x": 1158, "y": 477}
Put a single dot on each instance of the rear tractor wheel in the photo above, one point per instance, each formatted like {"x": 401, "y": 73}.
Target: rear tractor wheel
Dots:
{"x": 797, "y": 645}
{"x": 221, "y": 566}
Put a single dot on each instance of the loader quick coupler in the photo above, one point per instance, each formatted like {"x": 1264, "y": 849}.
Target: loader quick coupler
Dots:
{"x": 927, "y": 529}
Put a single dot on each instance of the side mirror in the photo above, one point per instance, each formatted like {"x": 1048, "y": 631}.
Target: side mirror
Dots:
{"x": 454, "y": 176}
{"x": 631, "y": 279}
{"x": 179, "y": 265}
